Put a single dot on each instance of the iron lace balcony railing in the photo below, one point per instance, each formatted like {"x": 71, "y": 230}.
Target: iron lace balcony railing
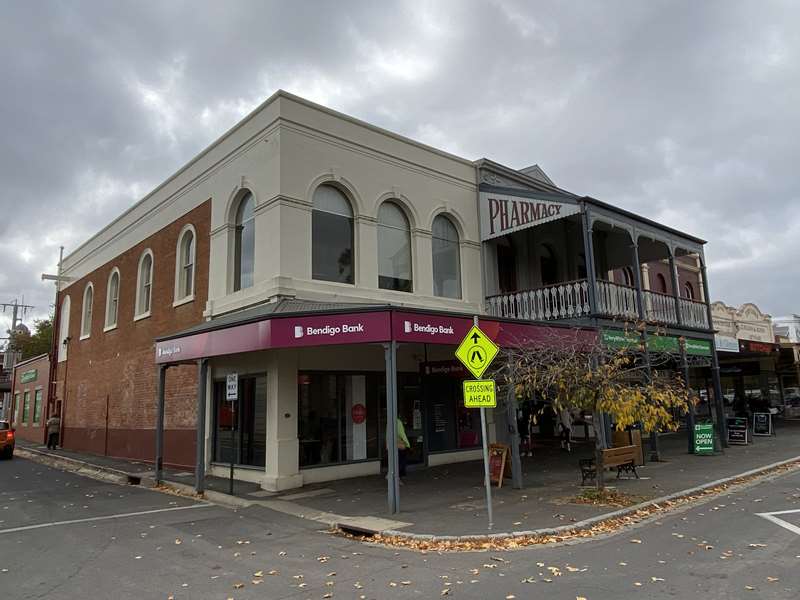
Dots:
{"x": 570, "y": 300}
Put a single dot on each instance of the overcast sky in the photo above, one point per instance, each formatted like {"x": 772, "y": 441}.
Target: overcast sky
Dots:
{"x": 685, "y": 112}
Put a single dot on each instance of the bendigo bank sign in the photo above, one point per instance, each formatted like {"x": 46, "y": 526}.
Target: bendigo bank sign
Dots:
{"x": 501, "y": 214}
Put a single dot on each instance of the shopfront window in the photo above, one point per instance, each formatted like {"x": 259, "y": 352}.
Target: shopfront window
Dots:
{"x": 450, "y": 425}
{"x": 338, "y": 417}
{"x": 37, "y": 407}
{"x": 26, "y": 408}
{"x": 240, "y": 428}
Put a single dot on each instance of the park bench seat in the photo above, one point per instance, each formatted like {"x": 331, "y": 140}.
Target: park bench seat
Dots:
{"x": 622, "y": 457}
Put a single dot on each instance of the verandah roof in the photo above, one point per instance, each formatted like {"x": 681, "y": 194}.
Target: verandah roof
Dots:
{"x": 292, "y": 323}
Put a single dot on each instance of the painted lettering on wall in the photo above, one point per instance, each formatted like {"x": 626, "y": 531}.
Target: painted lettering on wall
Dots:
{"x": 502, "y": 214}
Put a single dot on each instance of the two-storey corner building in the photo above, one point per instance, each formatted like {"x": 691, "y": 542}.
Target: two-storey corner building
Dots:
{"x": 321, "y": 271}
{"x": 31, "y": 405}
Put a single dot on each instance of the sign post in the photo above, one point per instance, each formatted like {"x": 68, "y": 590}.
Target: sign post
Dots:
{"x": 232, "y": 395}
{"x": 476, "y": 351}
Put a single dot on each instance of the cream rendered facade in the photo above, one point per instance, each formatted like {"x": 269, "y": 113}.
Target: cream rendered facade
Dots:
{"x": 281, "y": 153}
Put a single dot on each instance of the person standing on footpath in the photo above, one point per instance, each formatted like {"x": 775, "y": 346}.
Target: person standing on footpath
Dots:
{"x": 402, "y": 447}
{"x": 53, "y": 429}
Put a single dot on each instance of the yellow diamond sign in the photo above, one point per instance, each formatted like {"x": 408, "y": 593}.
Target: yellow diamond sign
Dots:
{"x": 476, "y": 351}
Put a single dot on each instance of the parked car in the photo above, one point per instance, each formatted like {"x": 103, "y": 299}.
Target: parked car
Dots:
{"x": 6, "y": 440}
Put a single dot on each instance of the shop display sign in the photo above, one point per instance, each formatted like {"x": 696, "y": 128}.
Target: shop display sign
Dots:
{"x": 480, "y": 394}
{"x": 762, "y": 424}
{"x": 476, "y": 351}
{"x": 232, "y": 387}
{"x": 358, "y": 413}
{"x": 737, "y": 430}
{"x": 499, "y": 463}
{"x": 704, "y": 438}
{"x": 501, "y": 214}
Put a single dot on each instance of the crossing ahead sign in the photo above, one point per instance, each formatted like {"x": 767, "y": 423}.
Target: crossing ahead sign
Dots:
{"x": 476, "y": 351}
{"x": 480, "y": 394}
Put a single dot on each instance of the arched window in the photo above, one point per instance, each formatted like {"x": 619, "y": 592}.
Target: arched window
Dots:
{"x": 63, "y": 329}
{"x": 184, "y": 265}
{"x": 446, "y": 259}
{"x": 661, "y": 284}
{"x": 627, "y": 277}
{"x": 331, "y": 236}
{"x": 144, "y": 285}
{"x": 244, "y": 250}
{"x": 112, "y": 299}
{"x": 86, "y": 312}
{"x": 548, "y": 265}
{"x": 394, "y": 249}
{"x": 688, "y": 291}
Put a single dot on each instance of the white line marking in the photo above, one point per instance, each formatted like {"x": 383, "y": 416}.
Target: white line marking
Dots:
{"x": 105, "y": 518}
{"x": 780, "y": 522}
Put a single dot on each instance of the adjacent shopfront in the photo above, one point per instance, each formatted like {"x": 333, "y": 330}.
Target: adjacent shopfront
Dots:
{"x": 312, "y": 402}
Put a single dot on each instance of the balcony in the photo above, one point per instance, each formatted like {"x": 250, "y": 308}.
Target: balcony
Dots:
{"x": 570, "y": 300}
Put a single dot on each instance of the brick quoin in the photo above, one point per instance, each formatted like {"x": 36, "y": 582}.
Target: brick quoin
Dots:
{"x": 110, "y": 400}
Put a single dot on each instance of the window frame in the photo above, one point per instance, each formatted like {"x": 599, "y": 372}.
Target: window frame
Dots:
{"x": 235, "y": 262}
{"x": 409, "y": 231}
{"x": 140, "y": 286}
{"x": 26, "y": 407}
{"x": 63, "y": 328}
{"x": 451, "y": 222}
{"x": 107, "y": 326}
{"x": 352, "y": 217}
{"x": 688, "y": 290}
{"x": 180, "y": 267}
{"x": 37, "y": 407}
{"x": 86, "y": 315}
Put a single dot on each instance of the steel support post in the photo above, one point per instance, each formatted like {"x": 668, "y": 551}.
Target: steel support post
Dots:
{"x": 392, "y": 459}
{"x": 200, "y": 467}
{"x": 160, "y": 381}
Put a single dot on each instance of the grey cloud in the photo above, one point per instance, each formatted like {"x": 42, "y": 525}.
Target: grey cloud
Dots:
{"x": 679, "y": 110}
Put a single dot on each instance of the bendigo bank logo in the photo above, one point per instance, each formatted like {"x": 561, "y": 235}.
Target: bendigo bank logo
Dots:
{"x": 327, "y": 331}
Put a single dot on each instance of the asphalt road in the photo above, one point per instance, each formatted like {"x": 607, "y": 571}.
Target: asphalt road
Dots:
{"x": 68, "y": 537}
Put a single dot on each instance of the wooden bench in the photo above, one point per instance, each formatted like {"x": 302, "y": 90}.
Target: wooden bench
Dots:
{"x": 623, "y": 458}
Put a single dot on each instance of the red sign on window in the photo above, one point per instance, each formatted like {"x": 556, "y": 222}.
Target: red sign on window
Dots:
{"x": 359, "y": 413}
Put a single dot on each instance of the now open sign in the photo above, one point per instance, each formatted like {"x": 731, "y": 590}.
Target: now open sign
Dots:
{"x": 704, "y": 438}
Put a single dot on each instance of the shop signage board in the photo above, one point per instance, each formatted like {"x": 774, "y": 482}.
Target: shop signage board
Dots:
{"x": 762, "y": 424}
{"x": 480, "y": 393}
{"x": 232, "y": 387}
{"x": 622, "y": 340}
{"x": 737, "y": 430}
{"x": 29, "y": 375}
{"x": 476, "y": 351}
{"x": 663, "y": 343}
{"x": 704, "y": 438}
{"x": 697, "y": 347}
{"x": 501, "y": 214}
{"x": 726, "y": 343}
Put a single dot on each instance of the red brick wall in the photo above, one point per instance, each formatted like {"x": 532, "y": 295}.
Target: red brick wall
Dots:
{"x": 110, "y": 397}
{"x": 27, "y": 430}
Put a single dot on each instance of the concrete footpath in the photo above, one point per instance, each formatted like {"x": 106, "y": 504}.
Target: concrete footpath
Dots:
{"x": 449, "y": 500}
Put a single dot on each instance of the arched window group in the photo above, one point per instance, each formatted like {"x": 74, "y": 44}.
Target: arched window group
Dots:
{"x": 144, "y": 285}
{"x": 394, "y": 249}
{"x": 184, "y": 265}
{"x": 244, "y": 243}
{"x": 332, "y": 234}
{"x": 446, "y": 258}
{"x": 86, "y": 313}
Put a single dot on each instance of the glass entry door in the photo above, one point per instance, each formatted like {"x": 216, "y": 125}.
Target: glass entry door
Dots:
{"x": 241, "y": 432}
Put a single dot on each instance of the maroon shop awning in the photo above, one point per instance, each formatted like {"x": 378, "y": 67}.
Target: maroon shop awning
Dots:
{"x": 364, "y": 326}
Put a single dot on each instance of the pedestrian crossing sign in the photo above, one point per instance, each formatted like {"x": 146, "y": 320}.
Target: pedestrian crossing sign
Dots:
{"x": 476, "y": 351}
